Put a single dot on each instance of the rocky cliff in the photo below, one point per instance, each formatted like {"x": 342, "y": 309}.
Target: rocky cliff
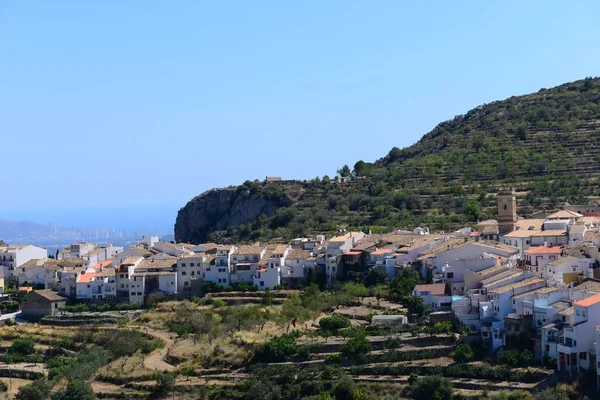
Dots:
{"x": 220, "y": 209}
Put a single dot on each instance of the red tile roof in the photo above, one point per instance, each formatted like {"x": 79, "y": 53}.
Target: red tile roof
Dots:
{"x": 437, "y": 289}
{"x": 590, "y": 301}
{"x": 102, "y": 265}
{"x": 539, "y": 250}
{"x": 86, "y": 278}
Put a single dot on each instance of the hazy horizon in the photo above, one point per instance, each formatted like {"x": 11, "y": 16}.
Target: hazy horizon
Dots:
{"x": 124, "y": 218}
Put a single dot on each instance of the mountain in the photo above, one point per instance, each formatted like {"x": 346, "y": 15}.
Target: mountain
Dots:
{"x": 545, "y": 144}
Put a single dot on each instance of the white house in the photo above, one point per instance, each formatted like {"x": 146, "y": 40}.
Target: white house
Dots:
{"x": 577, "y": 233}
{"x": 473, "y": 279}
{"x": 76, "y": 250}
{"x": 245, "y": 260}
{"x": 219, "y": 272}
{"x": 175, "y": 250}
{"x": 84, "y": 285}
{"x": 297, "y": 265}
{"x": 339, "y": 244}
{"x": 501, "y": 303}
{"x": 13, "y": 256}
{"x": 501, "y": 297}
{"x": 469, "y": 251}
{"x": 436, "y": 295}
{"x": 132, "y": 252}
{"x": 579, "y": 336}
{"x": 38, "y": 272}
{"x": 454, "y": 274}
{"x": 152, "y": 276}
{"x": 566, "y": 270}
{"x": 536, "y": 258}
{"x": 123, "y": 273}
{"x": 520, "y": 239}
{"x": 555, "y": 237}
{"x": 190, "y": 268}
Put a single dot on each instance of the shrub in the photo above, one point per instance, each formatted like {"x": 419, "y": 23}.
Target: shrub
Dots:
{"x": 3, "y": 387}
{"x": 76, "y": 389}
{"x": 463, "y": 353}
{"x": 432, "y": 387}
{"x": 218, "y": 303}
{"x": 164, "y": 382}
{"x": 333, "y": 359}
{"x": 356, "y": 346}
{"x": 38, "y": 390}
{"x": 334, "y": 323}
{"x": 278, "y": 349}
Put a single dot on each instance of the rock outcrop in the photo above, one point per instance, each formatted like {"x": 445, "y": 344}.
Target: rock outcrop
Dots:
{"x": 220, "y": 209}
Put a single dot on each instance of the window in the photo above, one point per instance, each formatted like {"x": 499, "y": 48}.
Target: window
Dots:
{"x": 88, "y": 286}
{"x": 139, "y": 293}
{"x": 55, "y": 305}
{"x": 192, "y": 273}
{"x": 122, "y": 276}
{"x": 122, "y": 286}
{"x": 183, "y": 273}
{"x": 450, "y": 275}
{"x": 262, "y": 283}
{"x": 547, "y": 348}
{"x": 583, "y": 356}
{"x": 583, "y": 314}
{"x": 574, "y": 269}
{"x": 191, "y": 264}
{"x": 578, "y": 313}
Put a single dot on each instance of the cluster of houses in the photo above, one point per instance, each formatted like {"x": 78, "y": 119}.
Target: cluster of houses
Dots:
{"x": 532, "y": 280}
{"x": 509, "y": 279}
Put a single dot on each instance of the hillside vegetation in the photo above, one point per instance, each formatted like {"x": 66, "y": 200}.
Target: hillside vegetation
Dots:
{"x": 545, "y": 144}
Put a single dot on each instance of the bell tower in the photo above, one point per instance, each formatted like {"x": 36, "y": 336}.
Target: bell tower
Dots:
{"x": 507, "y": 210}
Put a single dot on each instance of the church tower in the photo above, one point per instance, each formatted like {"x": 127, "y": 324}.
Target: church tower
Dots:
{"x": 507, "y": 210}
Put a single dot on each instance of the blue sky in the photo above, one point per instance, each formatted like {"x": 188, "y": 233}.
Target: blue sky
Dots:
{"x": 149, "y": 103}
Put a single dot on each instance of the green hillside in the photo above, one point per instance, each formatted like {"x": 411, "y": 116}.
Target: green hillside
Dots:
{"x": 545, "y": 144}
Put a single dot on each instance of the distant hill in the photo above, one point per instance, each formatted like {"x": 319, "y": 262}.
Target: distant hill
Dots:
{"x": 545, "y": 144}
{"x": 11, "y": 230}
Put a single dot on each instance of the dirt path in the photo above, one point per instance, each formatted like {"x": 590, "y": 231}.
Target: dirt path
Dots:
{"x": 155, "y": 361}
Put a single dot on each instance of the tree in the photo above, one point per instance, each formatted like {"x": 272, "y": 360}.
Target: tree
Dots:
{"x": 355, "y": 290}
{"x": 359, "y": 168}
{"x": 345, "y": 389}
{"x": 76, "y": 390}
{"x": 380, "y": 292}
{"x": 334, "y": 323}
{"x": 344, "y": 171}
{"x": 22, "y": 346}
{"x": 165, "y": 382}
{"x": 415, "y": 306}
{"x": 433, "y": 387}
{"x": 463, "y": 353}
{"x": 292, "y": 312}
{"x": 356, "y": 346}
{"x": 404, "y": 283}
{"x": 38, "y": 390}
{"x": 375, "y": 277}
{"x": 472, "y": 210}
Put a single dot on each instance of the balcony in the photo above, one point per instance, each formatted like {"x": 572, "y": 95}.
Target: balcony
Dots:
{"x": 567, "y": 348}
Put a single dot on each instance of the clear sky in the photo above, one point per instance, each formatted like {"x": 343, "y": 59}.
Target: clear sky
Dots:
{"x": 149, "y": 103}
